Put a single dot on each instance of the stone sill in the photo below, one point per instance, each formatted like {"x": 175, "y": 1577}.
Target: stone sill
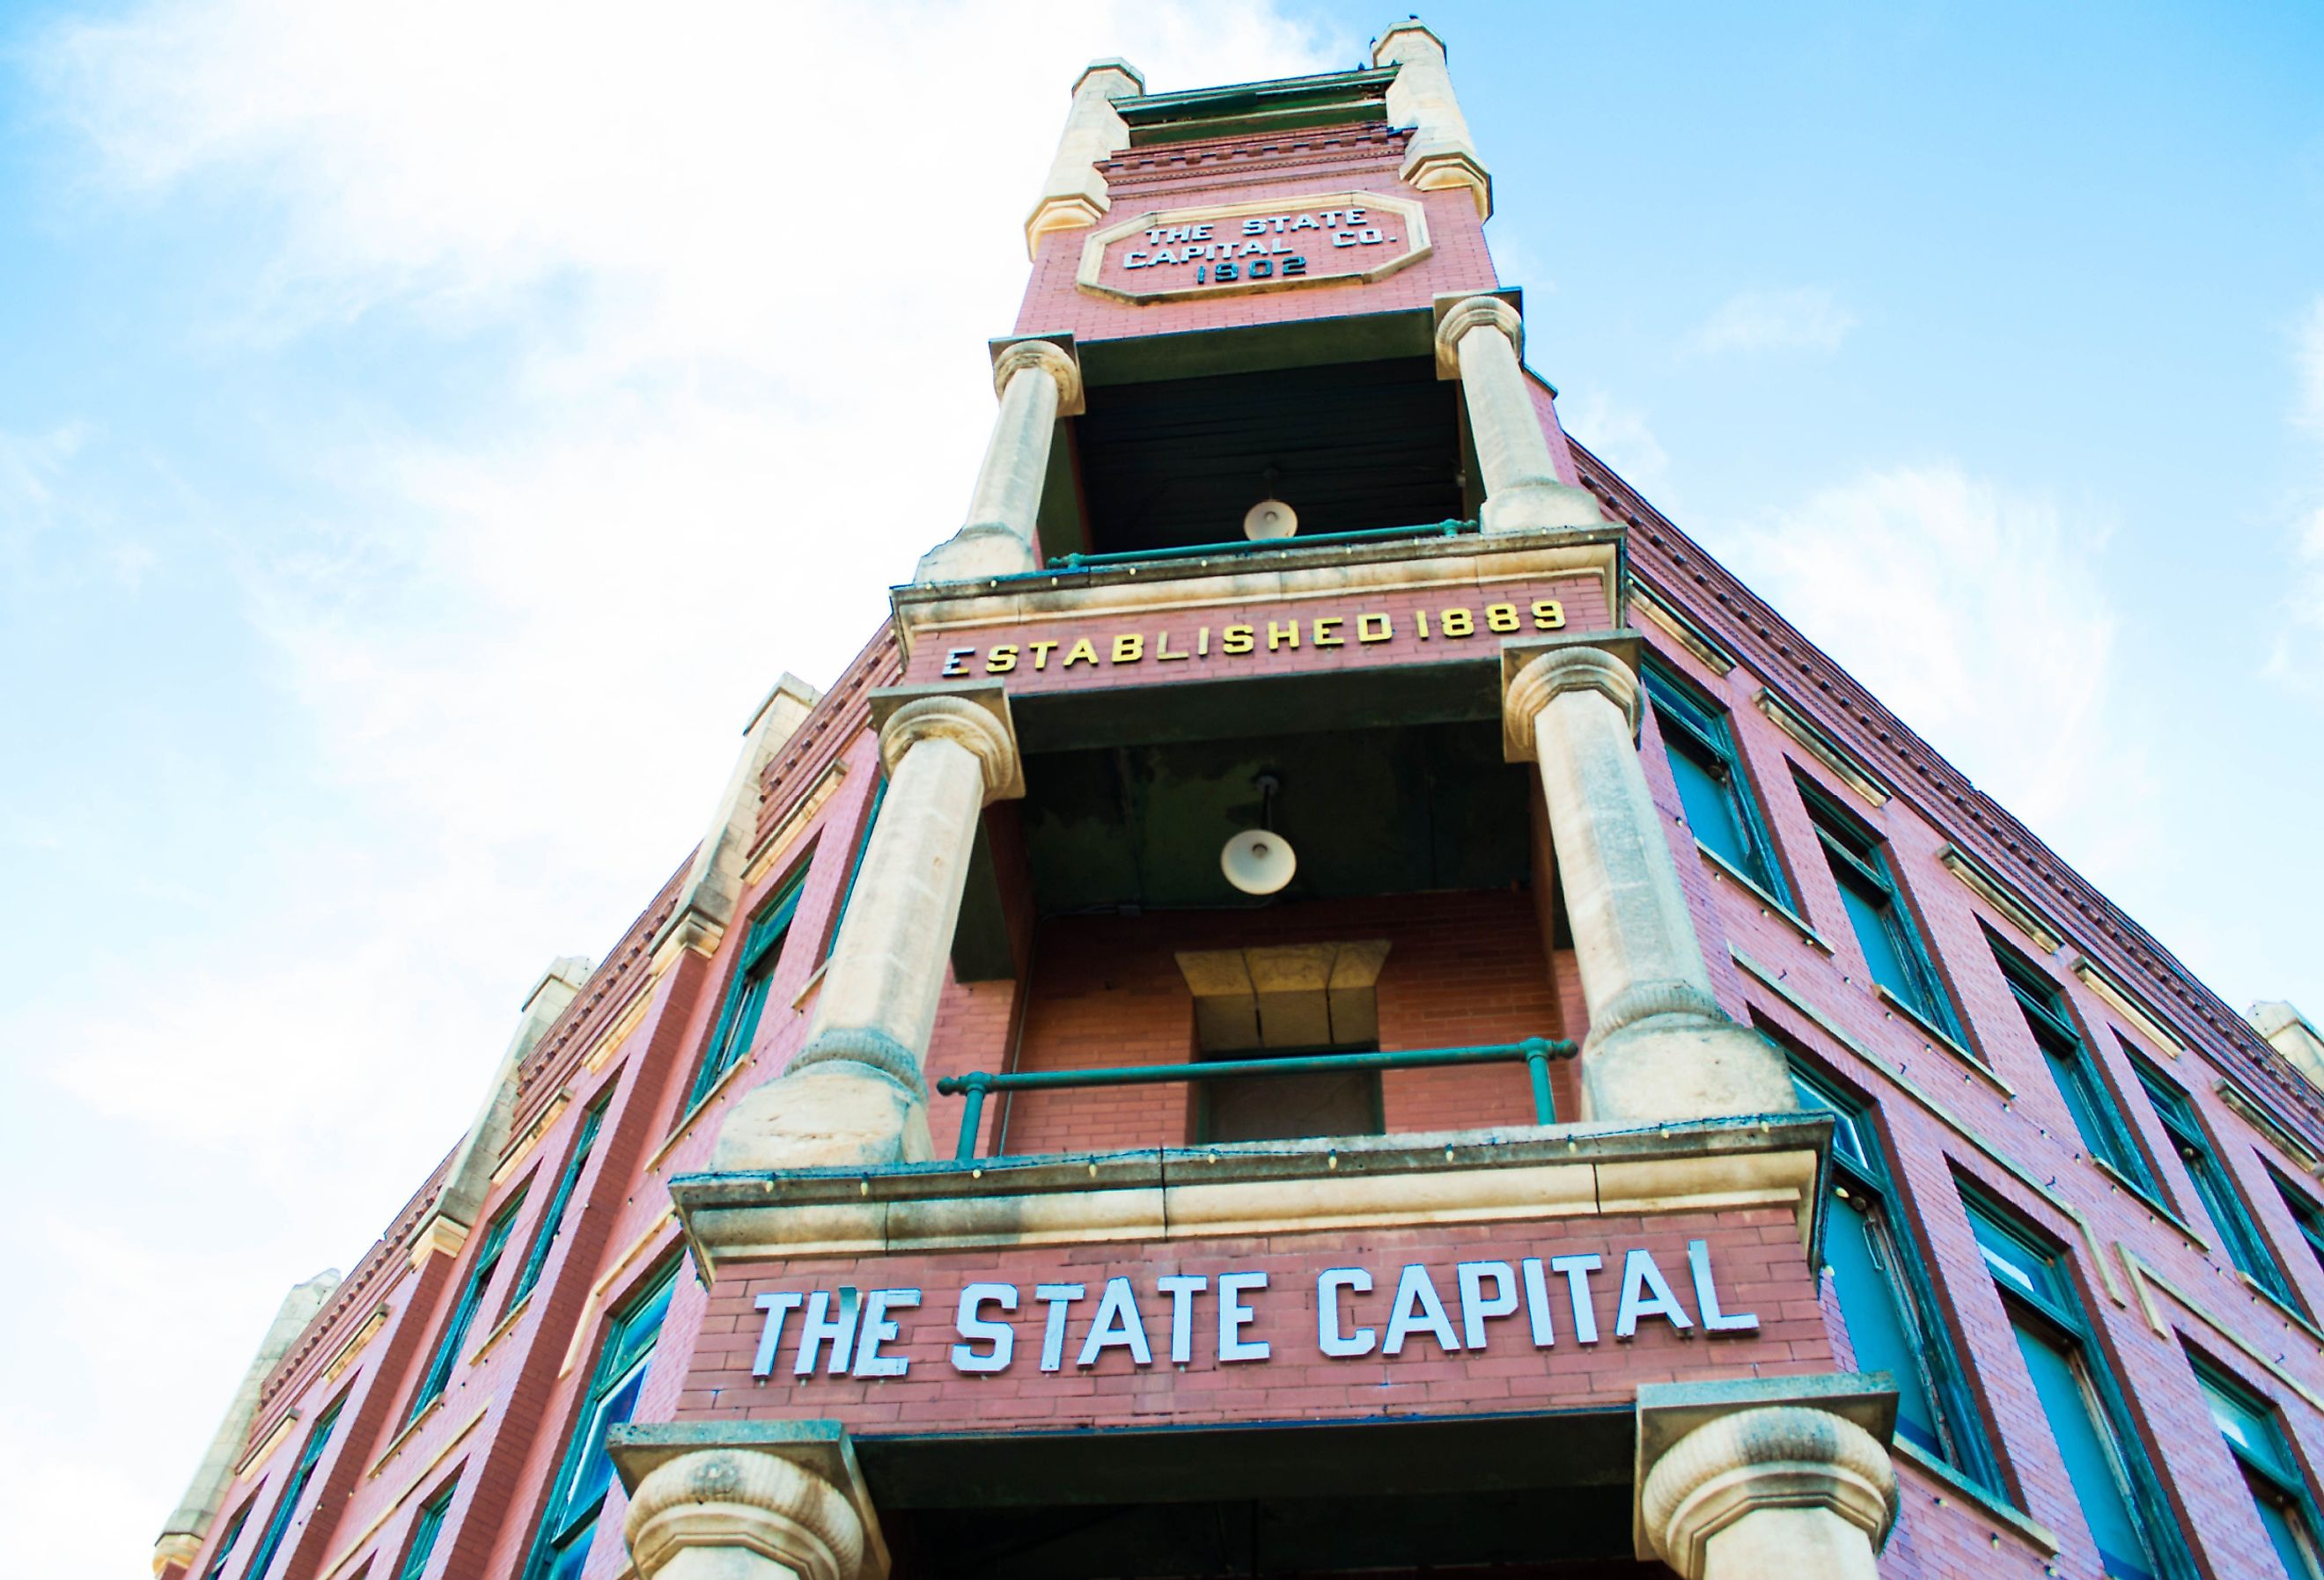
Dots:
{"x": 429, "y": 1412}
{"x": 1769, "y": 904}
{"x": 2276, "y": 1304}
{"x": 1984, "y": 1501}
{"x": 2152, "y": 1201}
{"x": 1511, "y": 1173}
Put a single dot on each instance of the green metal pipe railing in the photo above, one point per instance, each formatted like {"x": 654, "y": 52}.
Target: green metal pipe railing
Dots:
{"x": 1534, "y": 1052}
{"x": 1449, "y": 529}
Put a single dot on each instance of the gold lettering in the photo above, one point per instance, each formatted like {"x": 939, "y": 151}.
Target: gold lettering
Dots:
{"x": 1000, "y": 660}
{"x": 1458, "y": 623}
{"x": 1083, "y": 651}
{"x": 1162, "y": 648}
{"x": 1128, "y": 647}
{"x": 1326, "y": 625}
{"x": 1501, "y": 616}
{"x": 1548, "y": 615}
{"x": 1286, "y": 635}
{"x": 1422, "y": 617}
{"x": 1203, "y": 642}
{"x": 1235, "y": 639}
{"x": 1041, "y": 654}
{"x": 1367, "y": 631}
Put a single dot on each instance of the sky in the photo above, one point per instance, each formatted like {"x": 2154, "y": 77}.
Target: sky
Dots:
{"x": 428, "y": 431}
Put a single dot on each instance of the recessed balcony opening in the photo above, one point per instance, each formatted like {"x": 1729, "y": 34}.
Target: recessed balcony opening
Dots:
{"x": 1351, "y": 446}
{"x": 1388, "y": 983}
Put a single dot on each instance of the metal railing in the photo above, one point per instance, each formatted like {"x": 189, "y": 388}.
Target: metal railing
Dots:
{"x": 1228, "y": 551}
{"x": 1534, "y": 1052}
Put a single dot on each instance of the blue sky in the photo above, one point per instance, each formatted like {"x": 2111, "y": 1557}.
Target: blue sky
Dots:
{"x": 426, "y": 431}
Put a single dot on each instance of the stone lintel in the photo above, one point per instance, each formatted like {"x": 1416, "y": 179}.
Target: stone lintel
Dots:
{"x": 1510, "y": 1174}
{"x": 991, "y": 696}
{"x": 1668, "y": 1412}
{"x": 820, "y": 1447}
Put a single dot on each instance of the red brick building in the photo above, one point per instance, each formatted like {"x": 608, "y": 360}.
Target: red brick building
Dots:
{"x": 1450, "y": 1037}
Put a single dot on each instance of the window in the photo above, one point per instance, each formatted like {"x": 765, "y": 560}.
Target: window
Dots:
{"x": 1893, "y": 951}
{"x": 294, "y": 1489}
{"x": 424, "y": 1533}
{"x": 1719, "y": 810}
{"x": 449, "y": 1342}
{"x": 578, "y": 1492}
{"x": 2308, "y": 1215}
{"x": 2120, "y": 1498}
{"x": 552, "y": 1221}
{"x": 1885, "y": 1295}
{"x": 2239, "y": 1236}
{"x": 2075, "y": 1071}
{"x": 226, "y": 1548}
{"x": 855, "y": 868}
{"x": 2262, "y": 1452}
{"x": 747, "y": 989}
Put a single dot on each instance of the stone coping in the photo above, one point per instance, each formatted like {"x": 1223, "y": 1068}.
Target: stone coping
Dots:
{"x": 1504, "y": 1174}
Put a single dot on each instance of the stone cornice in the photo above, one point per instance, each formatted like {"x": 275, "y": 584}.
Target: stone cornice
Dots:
{"x": 1708, "y": 593}
{"x": 1508, "y": 1174}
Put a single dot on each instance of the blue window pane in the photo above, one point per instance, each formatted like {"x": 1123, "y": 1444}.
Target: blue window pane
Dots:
{"x": 595, "y": 1473}
{"x": 2090, "y": 1455}
{"x": 1868, "y": 912}
{"x": 2287, "y": 1531}
{"x": 1711, "y": 816}
{"x": 573, "y": 1553}
{"x": 1869, "y": 1300}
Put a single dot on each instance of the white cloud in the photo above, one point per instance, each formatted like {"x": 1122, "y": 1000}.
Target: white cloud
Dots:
{"x": 1808, "y": 319}
{"x": 727, "y": 274}
{"x": 1619, "y": 435}
{"x": 2297, "y": 657}
{"x": 1976, "y": 615}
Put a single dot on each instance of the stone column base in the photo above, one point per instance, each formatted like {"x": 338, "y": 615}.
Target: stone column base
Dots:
{"x": 834, "y": 1114}
{"x": 1766, "y": 1479}
{"x": 1540, "y": 507}
{"x": 747, "y": 1501}
{"x": 973, "y": 554}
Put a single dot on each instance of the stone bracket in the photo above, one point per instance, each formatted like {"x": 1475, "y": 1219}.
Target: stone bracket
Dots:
{"x": 819, "y": 1447}
{"x": 1668, "y": 1412}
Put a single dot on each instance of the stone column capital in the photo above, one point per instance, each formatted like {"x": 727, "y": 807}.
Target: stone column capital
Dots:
{"x": 1792, "y": 1458}
{"x": 975, "y": 728}
{"x": 1048, "y": 357}
{"x": 1544, "y": 679}
{"x": 746, "y": 1500}
{"x": 1475, "y": 312}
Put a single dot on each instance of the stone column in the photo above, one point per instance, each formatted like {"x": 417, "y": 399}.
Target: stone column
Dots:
{"x": 1659, "y": 1045}
{"x": 1479, "y": 341}
{"x": 189, "y": 1524}
{"x": 1440, "y": 155}
{"x": 739, "y": 1514}
{"x": 1781, "y": 1492}
{"x": 1074, "y": 195}
{"x": 1037, "y": 382}
{"x": 854, "y": 1094}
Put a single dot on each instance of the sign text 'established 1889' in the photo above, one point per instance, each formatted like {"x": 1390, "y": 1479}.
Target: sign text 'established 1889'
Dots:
{"x": 1467, "y": 1309}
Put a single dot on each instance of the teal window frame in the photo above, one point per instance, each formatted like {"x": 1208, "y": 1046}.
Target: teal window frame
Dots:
{"x": 2231, "y": 1216}
{"x": 2111, "y": 1473}
{"x": 2262, "y": 1450}
{"x": 585, "y": 1471}
{"x": 854, "y": 870}
{"x": 217, "y": 1566}
{"x": 462, "y": 1317}
{"x": 553, "y": 1221}
{"x": 419, "y": 1551}
{"x": 1887, "y": 1289}
{"x": 1700, "y": 744}
{"x": 270, "y": 1545}
{"x": 748, "y": 985}
{"x": 1895, "y": 955}
{"x": 2306, "y": 1215}
{"x": 2074, "y": 1070}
